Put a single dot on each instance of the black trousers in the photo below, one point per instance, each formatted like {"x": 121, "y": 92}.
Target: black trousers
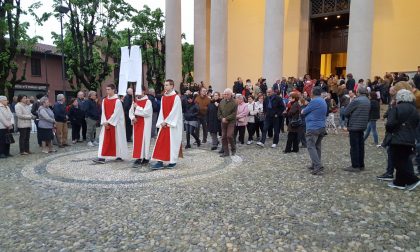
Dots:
{"x": 404, "y": 174}
{"x": 191, "y": 131}
{"x": 292, "y": 144}
{"x": 357, "y": 149}
{"x": 259, "y": 128}
{"x": 128, "y": 128}
{"x": 202, "y": 121}
{"x": 24, "y": 135}
{"x": 4, "y": 148}
{"x": 75, "y": 131}
{"x": 84, "y": 129}
{"x": 241, "y": 131}
{"x": 251, "y": 127}
{"x": 301, "y": 135}
{"x": 37, "y": 133}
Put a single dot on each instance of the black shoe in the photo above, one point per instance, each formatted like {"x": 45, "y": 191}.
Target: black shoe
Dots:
{"x": 221, "y": 151}
{"x": 138, "y": 162}
{"x": 224, "y": 155}
{"x": 310, "y": 167}
{"x": 10, "y": 155}
{"x": 99, "y": 161}
{"x": 213, "y": 148}
{"x": 385, "y": 177}
{"x": 352, "y": 169}
{"x": 285, "y": 152}
{"x": 319, "y": 171}
{"x": 233, "y": 152}
{"x": 187, "y": 146}
{"x": 199, "y": 143}
{"x": 118, "y": 159}
{"x": 145, "y": 162}
{"x": 170, "y": 166}
{"x": 204, "y": 141}
{"x": 3, "y": 156}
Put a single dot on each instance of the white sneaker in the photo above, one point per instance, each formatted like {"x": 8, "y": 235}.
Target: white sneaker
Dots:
{"x": 90, "y": 144}
{"x": 273, "y": 145}
{"x": 260, "y": 144}
{"x": 249, "y": 142}
{"x": 96, "y": 143}
{"x": 413, "y": 186}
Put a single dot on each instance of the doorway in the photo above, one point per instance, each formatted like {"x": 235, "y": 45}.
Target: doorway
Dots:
{"x": 333, "y": 64}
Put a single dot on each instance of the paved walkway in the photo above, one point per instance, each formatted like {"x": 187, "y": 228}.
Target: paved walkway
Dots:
{"x": 261, "y": 200}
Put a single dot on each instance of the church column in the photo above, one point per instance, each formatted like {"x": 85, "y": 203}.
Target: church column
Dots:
{"x": 359, "y": 50}
{"x": 273, "y": 40}
{"x": 200, "y": 41}
{"x": 218, "y": 45}
{"x": 173, "y": 51}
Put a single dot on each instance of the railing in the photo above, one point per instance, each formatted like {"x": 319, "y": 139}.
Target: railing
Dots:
{"x": 320, "y": 8}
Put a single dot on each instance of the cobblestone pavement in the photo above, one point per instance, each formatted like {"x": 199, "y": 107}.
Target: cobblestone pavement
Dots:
{"x": 260, "y": 200}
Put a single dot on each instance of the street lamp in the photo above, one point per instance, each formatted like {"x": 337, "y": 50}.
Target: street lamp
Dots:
{"x": 62, "y": 10}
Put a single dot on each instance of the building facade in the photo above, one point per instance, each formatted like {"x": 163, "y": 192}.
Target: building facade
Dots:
{"x": 276, "y": 38}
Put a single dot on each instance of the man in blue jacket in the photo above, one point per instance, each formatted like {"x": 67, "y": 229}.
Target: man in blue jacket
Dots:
{"x": 315, "y": 116}
{"x": 61, "y": 118}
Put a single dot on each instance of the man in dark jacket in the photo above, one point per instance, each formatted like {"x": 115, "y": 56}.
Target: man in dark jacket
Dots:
{"x": 92, "y": 116}
{"x": 357, "y": 113}
{"x": 156, "y": 109}
{"x": 127, "y": 102}
{"x": 273, "y": 108}
{"x": 81, "y": 101}
{"x": 238, "y": 86}
{"x": 60, "y": 116}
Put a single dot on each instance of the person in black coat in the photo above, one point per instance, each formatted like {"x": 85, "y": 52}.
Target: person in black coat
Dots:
{"x": 273, "y": 110}
{"x": 401, "y": 129}
{"x": 238, "y": 86}
{"x": 374, "y": 115}
{"x": 76, "y": 116}
{"x": 127, "y": 102}
{"x": 213, "y": 122}
{"x": 191, "y": 120}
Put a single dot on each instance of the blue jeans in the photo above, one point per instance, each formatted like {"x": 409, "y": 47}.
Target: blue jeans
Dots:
{"x": 372, "y": 127}
{"x": 342, "y": 119}
{"x": 274, "y": 123}
{"x": 357, "y": 149}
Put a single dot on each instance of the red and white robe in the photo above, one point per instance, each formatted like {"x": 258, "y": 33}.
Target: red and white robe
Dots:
{"x": 169, "y": 139}
{"x": 142, "y": 129}
{"x": 112, "y": 139}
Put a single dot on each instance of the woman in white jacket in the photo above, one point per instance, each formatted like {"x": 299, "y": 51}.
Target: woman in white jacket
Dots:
{"x": 251, "y": 126}
{"x": 6, "y": 126}
{"x": 24, "y": 115}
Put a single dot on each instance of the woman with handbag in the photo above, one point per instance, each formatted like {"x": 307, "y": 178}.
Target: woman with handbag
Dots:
{"x": 294, "y": 125}
{"x": 24, "y": 124}
{"x": 46, "y": 125}
{"x": 6, "y": 126}
{"x": 241, "y": 118}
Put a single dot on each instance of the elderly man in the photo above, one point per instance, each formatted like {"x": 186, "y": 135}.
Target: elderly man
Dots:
{"x": 315, "y": 117}
{"x": 227, "y": 115}
{"x": 127, "y": 102}
{"x": 81, "y": 101}
{"x": 93, "y": 114}
{"x": 357, "y": 113}
{"x": 61, "y": 118}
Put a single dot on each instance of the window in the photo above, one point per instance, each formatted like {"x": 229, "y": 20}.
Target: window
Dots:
{"x": 36, "y": 67}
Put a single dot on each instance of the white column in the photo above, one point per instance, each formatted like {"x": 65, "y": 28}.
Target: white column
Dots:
{"x": 218, "y": 45}
{"x": 359, "y": 50}
{"x": 273, "y": 40}
{"x": 303, "y": 38}
{"x": 200, "y": 41}
{"x": 173, "y": 64}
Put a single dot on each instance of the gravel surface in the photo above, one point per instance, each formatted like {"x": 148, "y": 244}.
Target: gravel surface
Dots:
{"x": 260, "y": 200}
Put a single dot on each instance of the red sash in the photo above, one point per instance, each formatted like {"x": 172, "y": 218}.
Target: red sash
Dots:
{"x": 138, "y": 129}
{"x": 109, "y": 146}
{"x": 163, "y": 142}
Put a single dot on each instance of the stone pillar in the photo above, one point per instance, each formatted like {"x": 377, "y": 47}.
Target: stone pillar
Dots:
{"x": 359, "y": 50}
{"x": 218, "y": 45}
{"x": 173, "y": 64}
{"x": 303, "y": 38}
{"x": 200, "y": 41}
{"x": 273, "y": 41}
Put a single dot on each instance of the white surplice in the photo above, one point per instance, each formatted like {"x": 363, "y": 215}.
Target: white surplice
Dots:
{"x": 118, "y": 121}
{"x": 146, "y": 113}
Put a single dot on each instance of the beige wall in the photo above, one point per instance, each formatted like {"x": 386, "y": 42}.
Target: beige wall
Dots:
{"x": 291, "y": 37}
{"x": 245, "y": 39}
{"x": 396, "y": 36}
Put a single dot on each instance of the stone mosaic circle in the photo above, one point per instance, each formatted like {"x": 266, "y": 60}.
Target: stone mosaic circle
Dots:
{"x": 76, "y": 169}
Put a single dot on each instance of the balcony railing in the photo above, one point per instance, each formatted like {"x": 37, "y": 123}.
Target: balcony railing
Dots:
{"x": 320, "y": 8}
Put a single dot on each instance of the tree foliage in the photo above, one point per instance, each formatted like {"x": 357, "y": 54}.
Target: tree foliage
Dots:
{"x": 14, "y": 41}
{"x": 187, "y": 62}
{"x": 90, "y": 36}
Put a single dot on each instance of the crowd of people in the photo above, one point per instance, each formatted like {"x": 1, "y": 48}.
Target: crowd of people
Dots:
{"x": 305, "y": 108}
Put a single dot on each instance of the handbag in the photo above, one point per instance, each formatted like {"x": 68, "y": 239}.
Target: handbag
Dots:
{"x": 9, "y": 138}
{"x": 296, "y": 123}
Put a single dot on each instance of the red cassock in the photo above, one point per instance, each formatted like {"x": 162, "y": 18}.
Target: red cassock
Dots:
{"x": 138, "y": 129}
{"x": 164, "y": 137}
{"x": 109, "y": 143}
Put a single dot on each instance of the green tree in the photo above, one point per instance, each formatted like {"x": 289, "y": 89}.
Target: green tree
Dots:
{"x": 14, "y": 41}
{"x": 88, "y": 54}
{"x": 187, "y": 62}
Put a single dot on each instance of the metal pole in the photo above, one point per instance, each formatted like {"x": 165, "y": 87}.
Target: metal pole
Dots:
{"x": 62, "y": 54}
